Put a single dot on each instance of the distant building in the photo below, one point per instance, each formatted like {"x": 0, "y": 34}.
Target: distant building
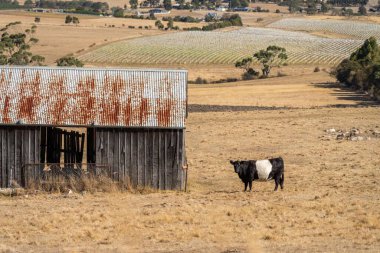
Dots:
{"x": 158, "y": 11}
{"x": 221, "y": 8}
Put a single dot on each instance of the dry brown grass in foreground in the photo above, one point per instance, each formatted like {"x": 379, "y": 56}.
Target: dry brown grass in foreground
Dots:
{"x": 330, "y": 202}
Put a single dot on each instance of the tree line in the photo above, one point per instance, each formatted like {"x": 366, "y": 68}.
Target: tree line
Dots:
{"x": 225, "y": 21}
{"x": 361, "y": 71}
{"x": 84, "y": 7}
{"x": 9, "y": 4}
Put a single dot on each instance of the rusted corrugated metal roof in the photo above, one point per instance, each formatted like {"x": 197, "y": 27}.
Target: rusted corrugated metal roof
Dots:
{"x": 99, "y": 97}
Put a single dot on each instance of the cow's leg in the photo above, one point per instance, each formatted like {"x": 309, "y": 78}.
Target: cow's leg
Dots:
{"x": 245, "y": 186}
{"x": 250, "y": 185}
{"x": 282, "y": 181}
{"x": 277, "y": 181}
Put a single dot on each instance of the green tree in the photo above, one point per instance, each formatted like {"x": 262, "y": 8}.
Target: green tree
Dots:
{"x": 68, "y": 61}
{"x": 168, "y": 4}
{"x": 368, "y": 53}
{"x": 347, "y": 11}
{"x": 244, "y": 3}
{"x": 245, "y": 64}
{"x": 311, "y": 7}
{"x": 152, "y": 16}
{"x": 133, "y": 3}
{"x": 28, "y": 4}
{"x": 37, "y": 19}
{"x": 324, "y": 7}
{"x": 361, "y": 69}
{"x": 362, "y": 10}
{"x": 75, "y": 20}
{"x": 294, "y": 6}
{"x": 181, "y": 3}
{"x": 234, "y": 3}
{"x": 15, "y": 47}
{"x": 68, "y": 19}
{"x": 118, "y": 12}
{"x": 170, "y": 24}
{"x": 159, "y": 24}
{"x": 271, "y": 57}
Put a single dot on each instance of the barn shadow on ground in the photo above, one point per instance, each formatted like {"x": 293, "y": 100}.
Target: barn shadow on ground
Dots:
{"x": 344, "y": 93}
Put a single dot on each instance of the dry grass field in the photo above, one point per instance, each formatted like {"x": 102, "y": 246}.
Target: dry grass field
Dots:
{"x": 56, "y": 39}
{"x": 330, "y": 202}
{"x": 331, "y": 199}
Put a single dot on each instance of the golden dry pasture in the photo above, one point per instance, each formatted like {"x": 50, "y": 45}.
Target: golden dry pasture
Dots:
{"x": 331, "y": 199}
{"x": 330, "y": 202}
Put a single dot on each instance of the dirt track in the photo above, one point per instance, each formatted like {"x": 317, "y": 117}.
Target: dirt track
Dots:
{"x": 229, "y": 108}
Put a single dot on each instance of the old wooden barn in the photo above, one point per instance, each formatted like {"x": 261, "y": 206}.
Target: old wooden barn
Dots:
{"x": 131, "y": 121}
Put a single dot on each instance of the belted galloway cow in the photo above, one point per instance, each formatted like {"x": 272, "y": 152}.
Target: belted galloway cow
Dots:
{"x": 262, "y": 170}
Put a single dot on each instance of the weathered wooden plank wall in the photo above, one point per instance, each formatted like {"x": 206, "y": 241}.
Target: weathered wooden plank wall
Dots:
{"x": 148, "y": 157}
{"x": 19, "y": 145}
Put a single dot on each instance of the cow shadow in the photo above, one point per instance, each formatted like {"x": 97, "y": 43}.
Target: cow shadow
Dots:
{"x": 225, "y": 191}
{"x": 344, "y": 93}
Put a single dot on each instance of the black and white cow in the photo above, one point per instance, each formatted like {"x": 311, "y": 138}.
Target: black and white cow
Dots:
{"x": 262, "y": 170}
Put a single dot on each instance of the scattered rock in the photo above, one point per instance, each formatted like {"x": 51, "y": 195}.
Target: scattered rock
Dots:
{"x": 339, "y": 136}
{"x": 331, "y": 130}
{"x": 354, "y": 134}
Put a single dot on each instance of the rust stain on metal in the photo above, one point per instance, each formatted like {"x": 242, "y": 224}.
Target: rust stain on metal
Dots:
{"x": 6, "y": 118}
{"x": 57, "y": 90}
{"x": 144, "y": 110}
{"x": 164, "y": 111}
{"x": 128, "y": 112}
{"x": 83, "y": 97}
{"x": 86, "y": 100}
{"x": 111, "y": 105}
{"x": 165, "y": 105}
{"x": 29, "y": 96}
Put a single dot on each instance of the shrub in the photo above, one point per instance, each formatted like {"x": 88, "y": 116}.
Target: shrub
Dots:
{"x": 250, "y": 74}
{"x": 192, "y": 29}
{"x": 317, "y": 69}
{"x": 200, "y": 80}
{"x": 68, "y": 19}
{"x": 37, "y": 19}
{"x": 67, "y": 61}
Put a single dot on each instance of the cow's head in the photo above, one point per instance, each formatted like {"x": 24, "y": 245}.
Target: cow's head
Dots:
{"x": 236, "y": 165}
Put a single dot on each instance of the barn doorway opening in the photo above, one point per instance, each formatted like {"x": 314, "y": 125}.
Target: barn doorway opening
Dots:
{"x": 63, "y": 145}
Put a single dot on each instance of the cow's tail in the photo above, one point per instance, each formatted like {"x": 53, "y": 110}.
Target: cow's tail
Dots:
{"x": 283, "y": 172}
{"x": 282, "y": 178}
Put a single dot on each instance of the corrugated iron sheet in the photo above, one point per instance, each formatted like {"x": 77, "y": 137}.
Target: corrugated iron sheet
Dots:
{"x": 93, "y": 97}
